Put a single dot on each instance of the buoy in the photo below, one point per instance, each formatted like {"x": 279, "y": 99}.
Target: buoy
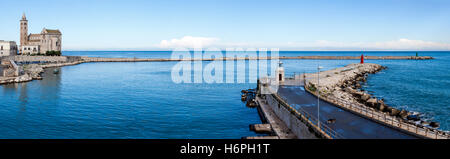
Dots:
{"x": 55, "y": 71}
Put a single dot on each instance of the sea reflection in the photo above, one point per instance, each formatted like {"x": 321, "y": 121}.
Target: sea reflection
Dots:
{"x": 48, "y": 93}
{"x": 51, "y": 86}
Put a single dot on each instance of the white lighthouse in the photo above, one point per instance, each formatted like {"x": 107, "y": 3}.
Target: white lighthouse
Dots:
{"x": 280, "y": 73}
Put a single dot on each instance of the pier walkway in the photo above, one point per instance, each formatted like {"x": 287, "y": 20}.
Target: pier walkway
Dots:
{"x": 346, "y": 124}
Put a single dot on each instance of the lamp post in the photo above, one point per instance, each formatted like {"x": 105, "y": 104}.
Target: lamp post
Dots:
{"x": 318, "y": 96}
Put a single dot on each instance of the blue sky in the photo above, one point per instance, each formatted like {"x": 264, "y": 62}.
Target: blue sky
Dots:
{"x": 288, "y": 25}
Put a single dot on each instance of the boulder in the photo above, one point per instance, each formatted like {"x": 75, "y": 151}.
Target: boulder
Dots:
{"x": 359, "y": 78}
{"x": 383, "y": 107}
{"x": 365, "y": 97}
{"x": 394, "y": 112}
{"x": 434, "y": 124}
{"x": 387, "y": 109}
{"x": 350, "y": 90}
{"x": 363, "y": 78}
{"x": 413, "y": 117}
{"x": 424, "y": 122}
{"x": 380, "y": 107}
{"x": 372, "y": 102}
{"x": 403, "y": 114}
{"x": 358, "y": 94}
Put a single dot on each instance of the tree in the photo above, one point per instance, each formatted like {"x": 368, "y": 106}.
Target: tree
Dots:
{"x": 53, "y": 53}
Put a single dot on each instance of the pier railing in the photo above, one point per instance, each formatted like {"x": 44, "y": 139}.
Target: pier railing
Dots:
{"x": 388, "y": 120}
{"x": 323, "y": 127}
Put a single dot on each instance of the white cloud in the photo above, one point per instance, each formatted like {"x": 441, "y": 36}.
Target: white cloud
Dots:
{"x": 189, "y": 42}
{"x": 406, "y": 44}
{"x": 401, "y": 44}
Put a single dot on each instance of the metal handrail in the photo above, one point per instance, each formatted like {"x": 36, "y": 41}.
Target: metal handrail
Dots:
{"x": 390, "y": 120}
{"x": 323, "y": 126}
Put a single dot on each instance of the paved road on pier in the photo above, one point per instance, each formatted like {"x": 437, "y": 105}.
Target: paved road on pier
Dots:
{"x": 347, "y": 124}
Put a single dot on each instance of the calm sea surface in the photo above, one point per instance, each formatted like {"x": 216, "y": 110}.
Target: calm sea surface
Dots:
{"x": 139, "y": 100}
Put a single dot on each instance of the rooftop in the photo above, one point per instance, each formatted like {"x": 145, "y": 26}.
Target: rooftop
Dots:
{"x": 50, "y": 31}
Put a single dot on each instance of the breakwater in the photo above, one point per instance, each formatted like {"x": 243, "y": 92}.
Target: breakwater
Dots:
{"x": 63, "y": 59}
{"x": 341, "y": 87}
{"x": 100, "y": 59}
{"x": 36, "y": 64}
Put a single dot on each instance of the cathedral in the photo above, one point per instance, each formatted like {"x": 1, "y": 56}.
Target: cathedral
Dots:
{"x": 47, "y": 40}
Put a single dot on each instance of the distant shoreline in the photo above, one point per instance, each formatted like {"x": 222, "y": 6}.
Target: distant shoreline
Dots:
{"x": 320, "y": 51}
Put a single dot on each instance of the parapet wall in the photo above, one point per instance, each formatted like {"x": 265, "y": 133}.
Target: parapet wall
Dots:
{"x": 299, "y": 128}
{"x": 40, "y": 59}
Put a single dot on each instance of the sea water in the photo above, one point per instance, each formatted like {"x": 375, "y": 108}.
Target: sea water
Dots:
{"x": 140, "y": 100}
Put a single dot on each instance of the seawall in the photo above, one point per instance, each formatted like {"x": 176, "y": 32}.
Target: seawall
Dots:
{"x": 286, "y": 116}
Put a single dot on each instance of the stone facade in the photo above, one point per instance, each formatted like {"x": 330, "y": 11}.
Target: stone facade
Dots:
{"x": 29, "y": 49}
{"x": 8, "y": 48}
{"x": 47, "y": 40}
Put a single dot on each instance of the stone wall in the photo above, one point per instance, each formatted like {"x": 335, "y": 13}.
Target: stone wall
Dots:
{"x": 41, "y": 59}
{"x": 9, "y": 68}
{"x": 292, "y": 121}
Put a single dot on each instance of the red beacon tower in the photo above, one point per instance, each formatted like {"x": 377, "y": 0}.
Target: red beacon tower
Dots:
{"x": 362, "y": 59}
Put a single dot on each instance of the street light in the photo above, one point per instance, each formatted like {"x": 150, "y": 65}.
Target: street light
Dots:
{"x": 318, "y": 96}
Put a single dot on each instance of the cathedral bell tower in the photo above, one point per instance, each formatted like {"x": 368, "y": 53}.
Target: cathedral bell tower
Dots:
{"x": 23, "y": 30}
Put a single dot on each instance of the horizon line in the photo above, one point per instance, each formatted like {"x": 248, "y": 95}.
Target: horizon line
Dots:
{"x": 279, "y": 50}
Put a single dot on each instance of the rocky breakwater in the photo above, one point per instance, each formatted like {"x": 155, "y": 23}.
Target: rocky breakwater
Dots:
{"x": 343, "y": 85}
{"x": 31, "y": 67}
{"x": 27, "y": 73}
